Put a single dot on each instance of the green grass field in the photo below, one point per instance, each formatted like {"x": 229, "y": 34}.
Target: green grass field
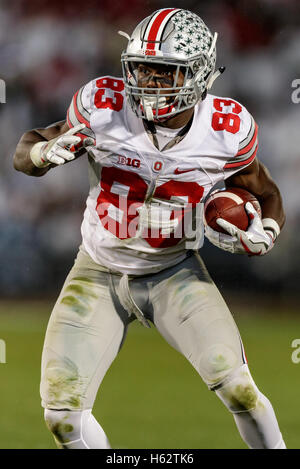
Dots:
{"x": 151, "y": 397}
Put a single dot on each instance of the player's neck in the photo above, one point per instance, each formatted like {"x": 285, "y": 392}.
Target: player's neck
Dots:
{"x": 179, "y": 120}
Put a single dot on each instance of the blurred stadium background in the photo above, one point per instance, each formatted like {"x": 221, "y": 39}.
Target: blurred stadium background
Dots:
{"x": 47, "y": 51}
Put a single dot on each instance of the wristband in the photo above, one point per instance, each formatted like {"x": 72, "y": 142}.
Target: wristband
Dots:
{"x": 36, "y": 155}
{"x": 271, "y": 227}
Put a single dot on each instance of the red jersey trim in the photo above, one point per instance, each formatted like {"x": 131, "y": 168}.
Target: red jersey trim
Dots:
{"x": 79, "y": 116}
{"x": 247, "y": 148}
{"x": 242, "y": 163}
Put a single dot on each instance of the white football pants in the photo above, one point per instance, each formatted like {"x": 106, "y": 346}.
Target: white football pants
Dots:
{"x": 88, "y": 325}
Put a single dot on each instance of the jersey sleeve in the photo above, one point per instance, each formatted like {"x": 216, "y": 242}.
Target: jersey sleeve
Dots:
{"x": 247, "y": 144}
{"x": 80, "y": 110}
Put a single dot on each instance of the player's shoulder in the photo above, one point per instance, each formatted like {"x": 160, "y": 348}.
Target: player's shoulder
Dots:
{"x": 233, "y": 129}
{"x": 230, "y": 117}
{"x": 103, "y": 92}
{"x": 99, "y": 94}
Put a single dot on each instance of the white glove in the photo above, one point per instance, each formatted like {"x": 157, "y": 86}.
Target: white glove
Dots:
{"x": 256, "y": 241}
{"x": 221, "y": 240}
{"x": 57, "y": 150}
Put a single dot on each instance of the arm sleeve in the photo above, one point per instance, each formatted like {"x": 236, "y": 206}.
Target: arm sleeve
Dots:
{"x": 248, "y": 144}
{"x": 79, "y": 111}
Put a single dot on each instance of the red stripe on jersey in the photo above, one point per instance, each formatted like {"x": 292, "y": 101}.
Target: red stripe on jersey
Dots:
{"x": 155, "y": 27}
{"x": 77, "y": 113}
{"x": 78, "y": 134}
{"x": 245, "y": 150}
{"x": 242, "y": 163}
{"x": 68, "y": 120}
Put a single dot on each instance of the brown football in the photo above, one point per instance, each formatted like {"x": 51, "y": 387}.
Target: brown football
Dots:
{"x": 229, "y": 204}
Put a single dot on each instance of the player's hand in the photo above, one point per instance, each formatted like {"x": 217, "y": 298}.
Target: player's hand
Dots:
{"x": 59, "y": 150}
{"x": 256, "y": 241}
{"x": 221, "y": 240}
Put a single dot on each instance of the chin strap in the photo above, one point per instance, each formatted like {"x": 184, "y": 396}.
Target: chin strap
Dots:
{"x": 150, "y": 104}
{"x": 149, "y": 113}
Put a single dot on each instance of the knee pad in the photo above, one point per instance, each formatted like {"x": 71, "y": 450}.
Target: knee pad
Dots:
{"x": 217, "y": 362}
{"x": 238, "y": 391}
{"x": 66, "y": 426}
{"x": 76, "y": 430}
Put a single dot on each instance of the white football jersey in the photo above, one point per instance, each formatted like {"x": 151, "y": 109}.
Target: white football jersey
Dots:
{"x": 142, "y": 201}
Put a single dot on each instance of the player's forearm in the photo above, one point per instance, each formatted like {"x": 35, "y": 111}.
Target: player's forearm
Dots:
{"x": 272, "y": 206}
{"x": 269, "y": 196}
{"x": 257, "y": 180}
{"x": 22, "y": 159}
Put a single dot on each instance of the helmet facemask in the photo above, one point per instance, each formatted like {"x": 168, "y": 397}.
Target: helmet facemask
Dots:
{"x": 160, "y": 102}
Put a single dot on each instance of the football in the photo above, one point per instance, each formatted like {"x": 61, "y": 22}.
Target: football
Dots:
{"x": 229, "y": 204}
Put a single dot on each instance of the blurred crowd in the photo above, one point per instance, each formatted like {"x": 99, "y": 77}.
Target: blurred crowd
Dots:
{"x": 48, "y": 49}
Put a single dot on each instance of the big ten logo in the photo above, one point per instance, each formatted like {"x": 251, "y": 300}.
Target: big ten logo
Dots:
{"x": 296, "y": 92}
{"x": 296, "y": 353}
{"x": 133, "y": 162}
{"x": 2, "y": 92}
{"x": 2, "y": 351}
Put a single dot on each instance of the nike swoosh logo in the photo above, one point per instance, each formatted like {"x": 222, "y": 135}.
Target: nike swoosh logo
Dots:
{"x": 178, "y": 171}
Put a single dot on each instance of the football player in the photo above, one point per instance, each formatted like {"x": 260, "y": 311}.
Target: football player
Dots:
{"x": 157, "y": 143}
